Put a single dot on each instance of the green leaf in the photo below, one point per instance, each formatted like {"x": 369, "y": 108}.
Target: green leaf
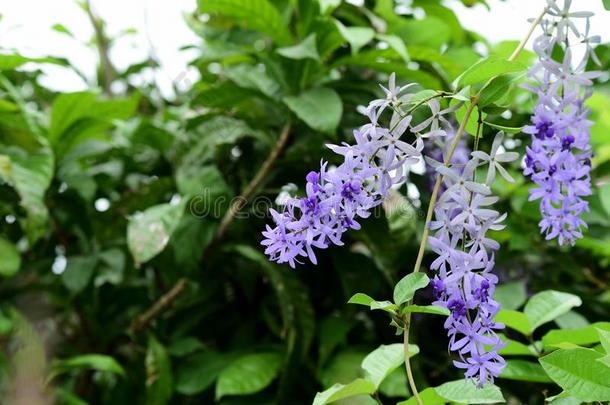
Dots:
{"x": 361, "y": 299}
{"x": 522, "y": 370}
{"x": 397, "y": 44}
{"x": 378, "y": 364}
{"x": 511, "y": 295}
{"x": 99, "y": 362}
{"x": 428, "y": 397}
{"x": 496, "y": 89}
{"x": 159, "y": 380}
{"x": 548, "y": 305}
{"x": 31, "y": 174}
{"x": 12, "y": 61}
{"x": 254, "y": 78}
{"x": 515, "y": 320}
{"x": 515, "y": 348}
{"x": 395, "y": 385}
{"x": 256, "y": 15}
{"x": 581, "y": 336}
{"x": 356, "y": 36}
{"x": 11, "y": 260}
{"x": 303, "y": 50}
{"x": 328, "y": 6}
{"x": 604, "y": 335}
{"x": 148, "y": 232}
{"x": 248, "y": 374}
{"x": 333, "y": 333}
{"x": 320, "y": 108}
{"x": 184, "y": 346}
{"x": 486, "y": 69}
{"x": 426, "y": 309}
{"x": 606, "y": 4}
{"x": 341, "y": 391}
{"x": 578, "y": 372}
{"x": 406, "y": 287}
{"x": 384, "y": 306}
{"x": 78, "y": 272}
{"x": 199, "y": 371}
{"x": 467, "y": 392}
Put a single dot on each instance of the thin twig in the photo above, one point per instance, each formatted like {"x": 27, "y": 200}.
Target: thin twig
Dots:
{"x": 251, "y": 188}
{"x": 161, "y": 305}
{"x": 103, "y": 45}
{"x": 521, "y": 45}
{"x": 168, "y": 298}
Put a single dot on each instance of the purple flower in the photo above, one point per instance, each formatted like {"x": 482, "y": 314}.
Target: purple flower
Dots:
{"x": 337, "y": 198}
{"x": 558, "y": 160}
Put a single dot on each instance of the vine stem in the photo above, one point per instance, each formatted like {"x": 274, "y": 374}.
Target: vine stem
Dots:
{"x": 439, "y": 179}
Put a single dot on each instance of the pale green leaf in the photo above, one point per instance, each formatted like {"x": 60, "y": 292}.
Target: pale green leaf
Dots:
{"x": 341, "y": 391}
{"x": 465, "y": 391}
{"x": 356, "y": 36}
{"x": 378, "y": 364}
{"x": 361, "y": 299}
{"x": 428, "y": 397}
{"x": 548, "y": 305}
{"x": 406, "y": 287}
{"x": 426, "y": 309}
{"x": 256, "y": 15}
{"x": 578, "y": 372}
{"x": 148, "y": 232}
{"x": 78, "y": 272}
{"x": 580, "y": 336}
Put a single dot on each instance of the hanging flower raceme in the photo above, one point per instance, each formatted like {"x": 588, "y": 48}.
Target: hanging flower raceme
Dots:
{"x": 559, "y": 158}
{"x": 337, "y": 198}
{"x": 464, "y": 283}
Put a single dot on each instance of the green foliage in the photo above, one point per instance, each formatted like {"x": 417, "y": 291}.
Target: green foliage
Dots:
{"x": 108, "y": 200}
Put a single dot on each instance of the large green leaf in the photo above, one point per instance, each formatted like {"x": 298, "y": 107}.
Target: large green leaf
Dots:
{"x": 148, "y": 232}
{"x": 468, "y": 393}
{"x": 406, "y": 287}
{"x": 578, "y": 372}
{"x": 487, "y": 69}
{"x": 11, "y": 260}
{"x": 248, "y": 374}
{"x": 515, "y": 320}
{"x": 356, "y": 36}
{"x": 378, "y": 364}
{"x": 548, "y": 305}
{"x": 257, "y": 15}
{"x": 320, "y": 108}
{"x": 342, "y": 391}
{"x": 12, "y": 61}
{"x": 522, "y": 370}
{"x": 580, "y": 336}
{"x": 159, "y": 380}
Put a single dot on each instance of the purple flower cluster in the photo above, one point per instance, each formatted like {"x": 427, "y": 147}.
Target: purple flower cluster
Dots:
{"x": 337, "y": 198}
{"x": 559, "y": 158}
{"x": 464, "y": 283}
